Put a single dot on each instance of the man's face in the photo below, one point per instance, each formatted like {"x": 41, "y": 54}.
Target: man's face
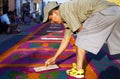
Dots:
{"x": 55, "y": 17}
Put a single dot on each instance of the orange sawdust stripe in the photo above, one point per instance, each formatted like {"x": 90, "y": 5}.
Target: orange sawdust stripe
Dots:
{"x": 46, "y": 49}
{"x": 32, "y": 65}
{"x": 89, "y": 74}
{"x": 9, "y": 51}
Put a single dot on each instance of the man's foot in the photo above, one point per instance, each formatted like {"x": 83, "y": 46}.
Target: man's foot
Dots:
{"x": 75, "y": 73}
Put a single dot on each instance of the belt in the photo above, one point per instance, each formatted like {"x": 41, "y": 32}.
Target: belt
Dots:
{"x": 78, "y": 30}
{"x": 75, "y": 32}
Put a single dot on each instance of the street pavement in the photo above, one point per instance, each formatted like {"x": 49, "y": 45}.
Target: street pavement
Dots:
{"x": 23, "y": 27}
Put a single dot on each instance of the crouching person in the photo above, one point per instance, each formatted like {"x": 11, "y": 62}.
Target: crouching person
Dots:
{"x": 7, "y": 23}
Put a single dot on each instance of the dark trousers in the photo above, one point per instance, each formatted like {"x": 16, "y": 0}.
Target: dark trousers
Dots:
{"x": 3, "y": 27}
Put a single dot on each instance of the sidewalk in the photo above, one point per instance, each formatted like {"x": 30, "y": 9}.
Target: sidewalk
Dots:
{"x": 23, "y": 27}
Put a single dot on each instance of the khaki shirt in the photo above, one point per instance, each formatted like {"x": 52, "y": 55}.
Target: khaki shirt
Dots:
{"x": 75, "y": 12}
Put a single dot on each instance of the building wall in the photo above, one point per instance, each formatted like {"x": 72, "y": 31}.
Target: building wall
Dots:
{"x": 19, "y": 4}
{"x": 11, "y": 4}
{"x": 16, "y": 4}
{"x": 1, "y": 7}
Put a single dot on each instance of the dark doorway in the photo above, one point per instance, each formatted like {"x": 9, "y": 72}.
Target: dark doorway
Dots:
{"x": 5, "y": 6}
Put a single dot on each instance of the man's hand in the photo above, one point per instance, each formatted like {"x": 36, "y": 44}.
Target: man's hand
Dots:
{"x": 50, "y": 61}
{"x": 63, "y": 45}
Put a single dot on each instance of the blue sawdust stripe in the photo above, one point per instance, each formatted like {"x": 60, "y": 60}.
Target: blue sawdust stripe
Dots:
{"x": 105, "y": 67}
{"x": 10, "y": 42}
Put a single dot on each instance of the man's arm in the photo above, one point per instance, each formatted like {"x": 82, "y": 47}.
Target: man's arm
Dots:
{"x": 62, "y": 47}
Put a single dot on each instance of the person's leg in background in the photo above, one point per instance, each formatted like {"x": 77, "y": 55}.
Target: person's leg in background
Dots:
{"x": 6, "y": 28}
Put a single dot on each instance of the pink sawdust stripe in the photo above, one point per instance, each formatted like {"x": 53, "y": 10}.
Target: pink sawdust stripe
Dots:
{"x": 94, "y": 68}
{"x": 9, "y": 51}
{"x": 44, "y": 41}
{"x": 51, "y": 36}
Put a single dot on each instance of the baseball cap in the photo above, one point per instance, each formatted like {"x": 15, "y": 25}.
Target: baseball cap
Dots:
{"x": 49, "y": 6}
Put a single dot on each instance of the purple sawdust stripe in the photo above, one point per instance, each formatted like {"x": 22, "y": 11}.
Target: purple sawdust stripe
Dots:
{"x": 34, "y": 28}
{"x": 49, "y": 27}
{"x": 38, "y": 57}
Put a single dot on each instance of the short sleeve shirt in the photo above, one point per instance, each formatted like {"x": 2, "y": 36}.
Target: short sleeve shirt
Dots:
{"x": 5, "y": 19}
{"x": 75, "y": 12}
